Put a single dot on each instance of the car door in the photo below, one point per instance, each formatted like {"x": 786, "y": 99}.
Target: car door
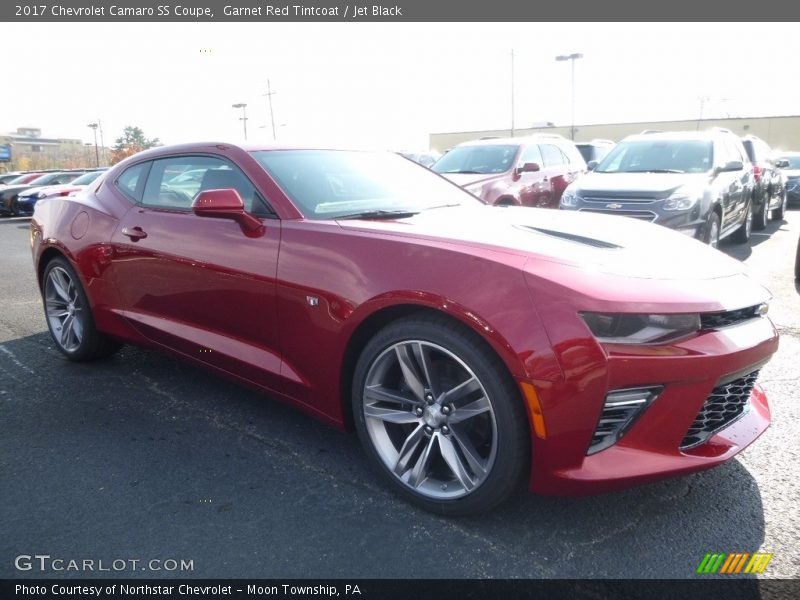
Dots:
{"x": 199, "y": 285}
{"x": 730, "y": 184}
{"x": 556, "y": 170}
{"x": 535, "y": 188}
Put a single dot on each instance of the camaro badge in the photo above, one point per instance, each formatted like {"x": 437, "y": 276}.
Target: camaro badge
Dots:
{"x": 613, "y": 205}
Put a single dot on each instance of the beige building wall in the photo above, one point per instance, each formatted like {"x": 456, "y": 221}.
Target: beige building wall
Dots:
{"x": 782, "y": 133}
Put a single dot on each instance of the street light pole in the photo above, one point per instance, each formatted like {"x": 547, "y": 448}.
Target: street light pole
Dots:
{"x": 571, "y": 57}
{"x": 269, "y": 95}
{"x": 243, "y": 118}
{"x": 512, "y": 92}
{"x": 94, "y": 126}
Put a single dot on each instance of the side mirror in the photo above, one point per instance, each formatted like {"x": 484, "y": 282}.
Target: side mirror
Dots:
{"x": 732, "y": 165}
{"x": 782, "y": 163}
{"x": 530, "y": 167}
{"x": 591, "y": 165}
{"x": 226, "y": 204}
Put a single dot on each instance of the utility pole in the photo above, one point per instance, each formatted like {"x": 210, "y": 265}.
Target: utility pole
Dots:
{"x": 703, "y": 100}
{"x": 102, "y": 143}
{"x": 269, "y": 96}
{"x": 572, "y": 58}
{"x": 93, "y": 127}
{"x": 243, "y": 118}
{"x": 512, "y": 92}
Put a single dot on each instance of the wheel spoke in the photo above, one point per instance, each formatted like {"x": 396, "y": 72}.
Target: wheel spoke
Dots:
{"x": 66, "y": 328}
{"x": 378, "y": 393}
{"x": 476, "y": 463}
{"x": 390, "y": 415}
{"x": 422, "y": 354}
{"x": 455, "y": 462}
{"x": 77, "y": 329}
{"x": 60, "y": 284}
{"x": 461, "y": 391}
{"x": 473, "y": 409}
{"x": 407, "y": 451}
{"x": 420, "y": 471}
{"x": 56, "y": 312}
{"x": 412, "y": 377}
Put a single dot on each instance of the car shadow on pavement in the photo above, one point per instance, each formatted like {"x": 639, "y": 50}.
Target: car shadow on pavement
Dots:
{"x": 743, "y": 251}
{"x": 142, "y": 455}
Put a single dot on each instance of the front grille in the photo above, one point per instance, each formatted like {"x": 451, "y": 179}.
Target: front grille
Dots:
{"x": 729, "y": 317}
{"x": 642, "y": 215}
{"x": 727, "y": 402}
{"x": 616, "y": 198}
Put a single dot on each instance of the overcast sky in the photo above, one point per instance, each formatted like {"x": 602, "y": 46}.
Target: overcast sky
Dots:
{"x": 383, "y": 85}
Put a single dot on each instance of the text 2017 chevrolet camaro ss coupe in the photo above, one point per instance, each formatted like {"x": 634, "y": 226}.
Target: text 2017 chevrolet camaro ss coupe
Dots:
{"x": 468, "y": 345}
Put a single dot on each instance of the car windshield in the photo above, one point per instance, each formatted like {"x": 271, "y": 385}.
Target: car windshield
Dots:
{"x": 658, "y": 156}
{"x": 794, "y": 161}
{"x": 486, "y": 159}
{"x": 87, "y": 178}
{"x": 329, "y": 184}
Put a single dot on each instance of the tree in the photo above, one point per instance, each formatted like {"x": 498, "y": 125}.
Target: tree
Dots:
{"x": 131, "y": 142}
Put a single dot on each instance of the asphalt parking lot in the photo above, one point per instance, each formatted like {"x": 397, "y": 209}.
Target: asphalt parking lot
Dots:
{"x": 144, "y": 457}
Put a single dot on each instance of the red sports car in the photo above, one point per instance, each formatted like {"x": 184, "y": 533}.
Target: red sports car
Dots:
{"x": 469, "y": 346}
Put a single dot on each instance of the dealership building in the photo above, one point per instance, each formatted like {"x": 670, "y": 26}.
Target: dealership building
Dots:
{"x": 30, "y": 150}
{"x": 780, "y": 132}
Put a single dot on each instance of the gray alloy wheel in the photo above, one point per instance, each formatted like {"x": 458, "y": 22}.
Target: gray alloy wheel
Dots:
{"x": 440, "y": 416}
{"x": 65, "y": 309}
{"x": 433, "y": 427}
{"x": 69, "y": 314}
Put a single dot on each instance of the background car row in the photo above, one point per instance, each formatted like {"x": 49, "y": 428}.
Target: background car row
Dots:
{"x": 19, "y": 192}
{"x": 707, "y": 184}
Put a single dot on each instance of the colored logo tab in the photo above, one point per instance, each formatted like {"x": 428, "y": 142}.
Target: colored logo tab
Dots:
{"x": 734, "y": 562}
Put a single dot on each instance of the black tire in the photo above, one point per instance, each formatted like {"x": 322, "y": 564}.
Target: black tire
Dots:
{"x": 13, "y": 208}
{"x": 742, "y": 235}
{"x": 511, "y": 442}
{"x": 711, "y": 236}
{"x": 761, "y": 217}
{"x": 779, "y": 213}
{"x": 92, "y": 344}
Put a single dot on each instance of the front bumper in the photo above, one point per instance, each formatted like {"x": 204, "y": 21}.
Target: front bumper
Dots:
{"x": 651, "y": 449}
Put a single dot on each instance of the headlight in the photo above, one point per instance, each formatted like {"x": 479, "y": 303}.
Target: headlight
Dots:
{"x": 569, "y": 198}
{"x": 681, "y": 199}
{"x": 639, "y": 329}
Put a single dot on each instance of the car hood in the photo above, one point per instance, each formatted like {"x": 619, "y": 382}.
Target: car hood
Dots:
{"x": 657, "y": 184}
{"x": 597, "y": 243}
{"x": 466, "y": 179}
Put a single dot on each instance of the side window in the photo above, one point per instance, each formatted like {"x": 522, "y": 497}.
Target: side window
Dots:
{"x": 552, "y": 155}
{"x": 531, "y": 154}
{"x": 174, "y": 183}
{"x": 735, "y": 150}
{"x": 131, "y": 181}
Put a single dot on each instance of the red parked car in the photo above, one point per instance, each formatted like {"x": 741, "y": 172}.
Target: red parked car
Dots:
{"x": 529, "y": 171}
{"x": 469, "y": 346}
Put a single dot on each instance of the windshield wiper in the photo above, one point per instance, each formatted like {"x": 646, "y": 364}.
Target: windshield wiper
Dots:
{"x": 656, "y": 171}
{"x": 380, "y": 214}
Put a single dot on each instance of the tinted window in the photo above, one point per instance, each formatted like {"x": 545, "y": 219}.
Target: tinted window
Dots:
{"x": 735, "y": 150}
{"x": 477, "y": 159}
{"x": 328, "y": 184}
{"x": 131, "y": 181}
{"x": 794, "y": 161}
{"x": 552, "y": 155}
{"x": 587, "y": 151}
{"x": 174, "y": 183}
{"x": 87, "y": 178}
{"x": 531, "y": 154}
{"x": 643, "y": 156}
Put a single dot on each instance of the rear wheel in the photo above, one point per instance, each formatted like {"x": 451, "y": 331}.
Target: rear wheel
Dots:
{"x": 742, "y": 235}
{"x": 780, "y": 211}
{"x": 69, "y": 315}
{"x": 440, "y": 417}
{"x": 712, "y": 229}
{"x": 761, "y": 217}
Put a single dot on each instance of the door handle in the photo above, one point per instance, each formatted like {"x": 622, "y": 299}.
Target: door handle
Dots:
{"x": 135, "y": 233}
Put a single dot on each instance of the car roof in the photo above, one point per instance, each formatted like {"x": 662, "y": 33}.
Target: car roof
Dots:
{"x": 707, "y": 135}
{"x": 528, "y": 139}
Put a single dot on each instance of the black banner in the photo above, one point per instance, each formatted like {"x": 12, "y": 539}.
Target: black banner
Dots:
{"x": 396, "y": 11}
{"x": 385, "y": 589}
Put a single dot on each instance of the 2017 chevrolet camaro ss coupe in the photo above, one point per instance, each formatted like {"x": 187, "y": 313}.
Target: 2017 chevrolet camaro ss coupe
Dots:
{"x": 469, "y": 346}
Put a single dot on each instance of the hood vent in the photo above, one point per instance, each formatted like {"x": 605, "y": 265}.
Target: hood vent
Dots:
{"x": 571, "y": 237}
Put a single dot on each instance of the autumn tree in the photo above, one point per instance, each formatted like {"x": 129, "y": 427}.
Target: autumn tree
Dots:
{"x": 131, "y": 142}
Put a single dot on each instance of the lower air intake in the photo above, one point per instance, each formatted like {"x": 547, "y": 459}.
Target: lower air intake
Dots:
{"x": 620, "y": 410}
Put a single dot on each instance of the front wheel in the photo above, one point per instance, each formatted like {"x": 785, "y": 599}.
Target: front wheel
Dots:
{"x": 779, "y": 212}
{"x": 761, "y": 217}
{"x": 440, "y": 417}
{"x": 69, "y": 315}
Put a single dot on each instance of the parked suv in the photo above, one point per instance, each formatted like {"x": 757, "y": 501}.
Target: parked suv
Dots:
{"x": 769, "y": 194}
{"x": 789, "y": 163}
{"x": 595, "y": 150}
{"x": 700, "y": 183}
{"x": 529, "y": 171}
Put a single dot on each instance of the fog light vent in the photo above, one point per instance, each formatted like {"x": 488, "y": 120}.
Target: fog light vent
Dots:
{"x": 620, "y": 410}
